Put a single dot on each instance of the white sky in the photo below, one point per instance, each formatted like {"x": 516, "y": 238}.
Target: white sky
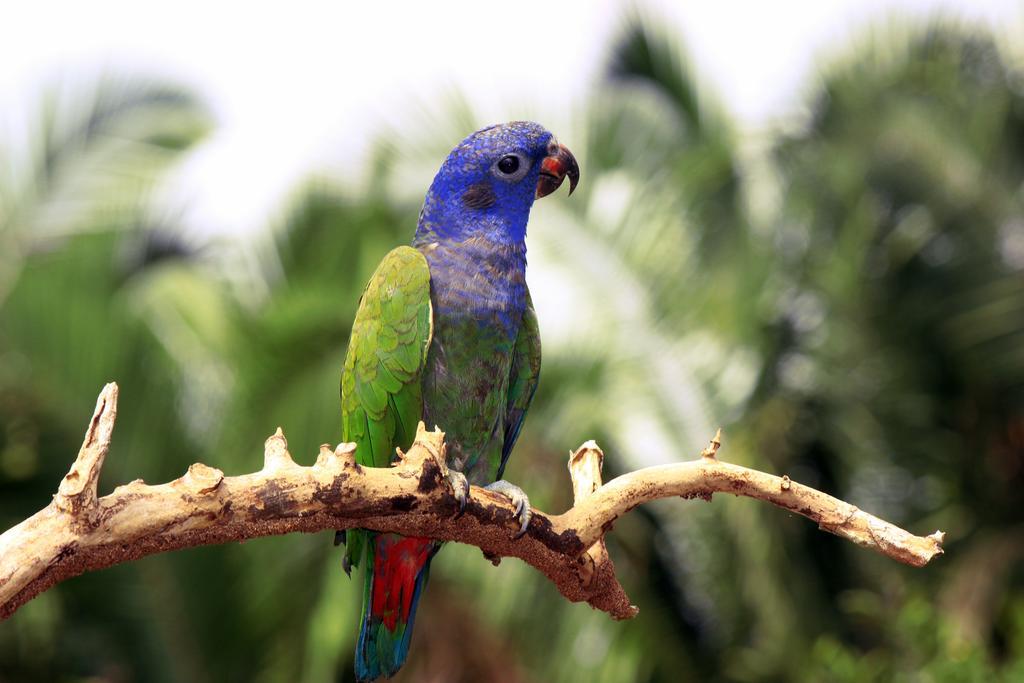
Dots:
{"x": 302, "y": 84}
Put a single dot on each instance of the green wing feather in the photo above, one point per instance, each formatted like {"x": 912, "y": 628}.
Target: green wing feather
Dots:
{"x": 381, "y": 399}
{"x": 522, "y": 380}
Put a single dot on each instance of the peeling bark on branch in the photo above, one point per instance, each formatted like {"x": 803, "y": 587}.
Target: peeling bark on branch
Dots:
{"x": 79, "y": 532}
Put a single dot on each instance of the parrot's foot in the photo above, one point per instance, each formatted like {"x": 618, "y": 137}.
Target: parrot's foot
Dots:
{"x": 460, "y": 488}
{"x": 518, "y": 498}
{"x": 339, "y": 538}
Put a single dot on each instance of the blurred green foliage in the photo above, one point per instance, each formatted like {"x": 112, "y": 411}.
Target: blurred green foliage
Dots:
{"x": 860, "y": 331}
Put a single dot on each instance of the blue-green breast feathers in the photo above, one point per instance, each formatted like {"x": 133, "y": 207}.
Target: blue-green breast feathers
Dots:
{"x": 522, "y": 381}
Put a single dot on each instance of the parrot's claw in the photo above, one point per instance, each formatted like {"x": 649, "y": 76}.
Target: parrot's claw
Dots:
{"x": 518, "y": 498}
{"x": 460, "y": 488}
{"x": 339, "y": 538}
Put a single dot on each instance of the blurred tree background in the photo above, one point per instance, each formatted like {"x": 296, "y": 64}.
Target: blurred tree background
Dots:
{"x": 849, "y": 305}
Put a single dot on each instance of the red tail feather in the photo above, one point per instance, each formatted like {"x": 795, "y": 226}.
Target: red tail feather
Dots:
{"x": 396, "y": 565}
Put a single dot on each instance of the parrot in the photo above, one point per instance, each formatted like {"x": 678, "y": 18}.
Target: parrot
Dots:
{"x": 446, "y": 333}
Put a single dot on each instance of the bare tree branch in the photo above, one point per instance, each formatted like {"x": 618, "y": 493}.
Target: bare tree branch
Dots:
{"x": 78, "y": 532}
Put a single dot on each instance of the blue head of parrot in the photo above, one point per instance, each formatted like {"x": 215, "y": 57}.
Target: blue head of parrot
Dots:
{"x": 487, "y": 185}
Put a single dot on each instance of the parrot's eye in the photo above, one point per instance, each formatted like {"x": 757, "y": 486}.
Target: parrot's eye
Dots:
{"x": 511, "y": 168}
{"x": 508, "y": 165}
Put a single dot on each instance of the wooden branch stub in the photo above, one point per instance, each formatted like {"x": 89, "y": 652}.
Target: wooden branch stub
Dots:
{"x": 431, "y": 443}
{"x": 76, "y": 494}
{"x": 275, "y": 453}
{"x": 585, "y": 471}
{"x": 79, "y": 532}
{"x": 202, "y": 479}
{"x": 711, "y": 450}
{"x": 341, "y": 456}
{"x": 585, "y": 465}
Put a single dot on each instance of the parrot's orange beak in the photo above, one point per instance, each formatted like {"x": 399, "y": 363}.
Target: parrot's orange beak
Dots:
{"x": 558, "y": 164}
